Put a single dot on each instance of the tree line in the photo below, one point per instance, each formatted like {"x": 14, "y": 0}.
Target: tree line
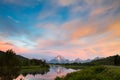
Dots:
{"x": 10, "y": 63}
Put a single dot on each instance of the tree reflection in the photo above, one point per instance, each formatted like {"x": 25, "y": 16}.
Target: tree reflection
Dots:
{"x": 9, "y": 65}
{"x": 8, "y": 73}
{"x": 42, "y": 72}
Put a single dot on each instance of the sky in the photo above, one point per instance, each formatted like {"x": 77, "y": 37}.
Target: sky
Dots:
{"x": 70, "y": 28}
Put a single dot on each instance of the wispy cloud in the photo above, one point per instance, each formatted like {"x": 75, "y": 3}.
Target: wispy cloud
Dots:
{"x": 66, "y": 2}
{"x": 24, "y": 3}
{"x": 78, "y": 28}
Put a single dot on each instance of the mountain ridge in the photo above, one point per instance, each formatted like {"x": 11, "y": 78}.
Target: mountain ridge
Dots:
{"x": 61, "y": 59}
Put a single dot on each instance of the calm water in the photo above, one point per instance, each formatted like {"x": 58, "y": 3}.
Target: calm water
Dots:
{"x": 51, "y": 75}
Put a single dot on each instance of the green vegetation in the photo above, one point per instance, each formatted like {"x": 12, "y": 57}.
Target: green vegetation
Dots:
{"x": 111, "y": 60}
{"x": 102, "y": 69}
{"x": 94, "y": 73}
{"x": 9, "y": 58}
{"x": 71, "y": 65}
{"x": 74, "y": 66}
{"x": 33, "y": 69}
{"x": 11, "y": 65}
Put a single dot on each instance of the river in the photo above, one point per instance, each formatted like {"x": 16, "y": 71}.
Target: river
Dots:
{"x": 54, "y": 71}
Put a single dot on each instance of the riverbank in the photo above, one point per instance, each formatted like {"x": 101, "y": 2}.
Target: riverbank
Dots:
{"x": 33, "y": 69}
{"x": 74, "y": 66}
{"x": 54, "y": 71}
{"x": 70, "y": 66}
{"x": 95, "y": 72}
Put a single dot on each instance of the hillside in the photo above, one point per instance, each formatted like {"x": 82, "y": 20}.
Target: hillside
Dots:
{"x": 27, "y": 62}
{"x": 111, "y": 60}
{"x": 18, "y": 56}
{"x": 1, "y": 52}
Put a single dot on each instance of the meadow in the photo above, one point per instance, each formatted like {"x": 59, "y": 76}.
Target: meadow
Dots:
{"x": 94, "y": 73}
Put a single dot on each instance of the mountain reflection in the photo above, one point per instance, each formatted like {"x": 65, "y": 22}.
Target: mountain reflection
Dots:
{"x": 51, "y": 75}
{"x": 15, "y": 74}
{"x": 59, "y": 69}
{"x": 42, "y": 72}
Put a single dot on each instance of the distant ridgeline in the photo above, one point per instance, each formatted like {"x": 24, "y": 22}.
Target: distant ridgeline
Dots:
{"x": 111, "y": 60}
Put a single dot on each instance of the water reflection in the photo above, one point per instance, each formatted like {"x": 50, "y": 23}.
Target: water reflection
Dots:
{"x": 51, "y": 75}
{"x": 8, "y": 73}
{"x": 20, "y": 77}
{"x": 42, "y": 72}
{"x": 13, "y": 73}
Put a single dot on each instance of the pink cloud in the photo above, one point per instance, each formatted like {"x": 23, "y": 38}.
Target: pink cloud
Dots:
{"x": 66, "y": 2}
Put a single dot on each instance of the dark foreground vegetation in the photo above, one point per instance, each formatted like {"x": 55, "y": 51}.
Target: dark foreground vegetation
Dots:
{"x": 11, "y": 65}
{"x": 94, "y": 73}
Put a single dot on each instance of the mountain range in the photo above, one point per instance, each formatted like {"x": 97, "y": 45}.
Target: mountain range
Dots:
{"x": 61, "y": 59}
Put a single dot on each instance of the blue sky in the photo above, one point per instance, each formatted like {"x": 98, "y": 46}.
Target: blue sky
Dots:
{"x": 71, "y": 28}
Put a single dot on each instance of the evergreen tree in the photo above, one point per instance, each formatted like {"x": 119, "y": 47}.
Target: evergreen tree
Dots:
{"x": 117, "y": 60}
{"x": 9, "y": 63}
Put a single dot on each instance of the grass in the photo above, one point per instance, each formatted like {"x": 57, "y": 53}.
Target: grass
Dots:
{"x": 72, "y": 66}
{"x": 94, "y": 73}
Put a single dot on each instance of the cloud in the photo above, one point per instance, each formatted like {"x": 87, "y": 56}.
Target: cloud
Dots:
{"x": 102, "y": 9}
{"x": 22, "y": 2}
{"x": 99, "y": 11}
{"x": 79, "y": 28}
{"x": 115, "y": 27}
{"x": 86, "y": 38}
{"x": 66, "y": 2}
{"x": 13, "y": 19}
{"x": 6, "y": 43}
